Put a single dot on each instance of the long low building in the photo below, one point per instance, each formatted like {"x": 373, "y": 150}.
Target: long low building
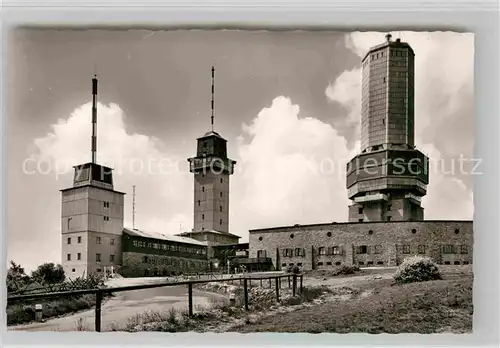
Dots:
{"x": 324, "y": 246}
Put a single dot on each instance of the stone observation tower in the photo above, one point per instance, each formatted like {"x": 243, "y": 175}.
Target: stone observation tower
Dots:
{"x": 388, "y": 178}
{"x": 211, "y": 168}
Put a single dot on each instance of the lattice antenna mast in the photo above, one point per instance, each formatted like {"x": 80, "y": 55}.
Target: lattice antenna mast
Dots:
{"x": 133, "y": 207}
{"x": 213, "y": 92}
{"x": 94, "y": 120}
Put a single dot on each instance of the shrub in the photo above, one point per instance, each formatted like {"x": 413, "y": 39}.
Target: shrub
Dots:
{"x": 48, "y": 273}
{"x": 293, "y": 269}
{"x": 417, "y": 269}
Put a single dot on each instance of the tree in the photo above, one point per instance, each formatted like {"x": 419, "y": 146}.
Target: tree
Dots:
{"x": 48, "y": 273}
{"x": 16, "y": 277}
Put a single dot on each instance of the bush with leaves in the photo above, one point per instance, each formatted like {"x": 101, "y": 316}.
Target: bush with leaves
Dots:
{"x": 417, "y": 269}
{"x": 16, "y": 277}
{"x": 48, "y": 273}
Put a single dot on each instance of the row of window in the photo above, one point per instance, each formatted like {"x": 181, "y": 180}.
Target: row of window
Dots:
{"x": 220, "y": 207}
{"x": 106, "y": 204}
{"x": 98, "y": 240}
{"x": 203, "y": 190}
{"x": 169, "y": 262}
{"x": 203, "y": 217}
{"x": 171, "y": 247}
{"x": 97, "y": 257}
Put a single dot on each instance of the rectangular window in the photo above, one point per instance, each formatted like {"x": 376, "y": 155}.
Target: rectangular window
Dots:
{"x": 68, "y": 257}
{"x": 98, "y": 240}
{"x": 69, "y": 240}
{"x": 448, "y": 249}
{"x": 198, "y": 203}
{"x": 463, "y": 249}
{"x": 321, "y": 251}
{"x": 220, "y": 208}
{"x": 362, "y": 249}
{"x": 360, "y": 210}
{"x": 389, "y": 218}
{"x": 360, "y": 220}
{"x": 261, "y": 253}
{"x": 406, "y": 249}
{"x": 389, "y": 206}
{"x": 98, "y": 257}
{"x": 220, "y": 222}
{"x": 79, "y": 239}
{"x": 145, "y": 259}
{"x": 421, "y": 249}
{"x": 112, "y": 241}
{"x": 79, "y": 256}
{"x": 111, "y": 258}
{"x": 378, "y": 249}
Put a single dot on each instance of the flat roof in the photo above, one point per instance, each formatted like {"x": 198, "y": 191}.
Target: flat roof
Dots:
{"x": 354, "y": 223}
{"x": 94, "y": 186}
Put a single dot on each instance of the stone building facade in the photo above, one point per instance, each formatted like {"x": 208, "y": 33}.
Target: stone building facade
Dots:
{"x": 382, "y": 244}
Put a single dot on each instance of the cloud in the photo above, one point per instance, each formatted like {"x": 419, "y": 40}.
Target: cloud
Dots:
{"x": 294, "y": 169}
{"x": 160, "y": 178}
{"x": 444, "y": 120}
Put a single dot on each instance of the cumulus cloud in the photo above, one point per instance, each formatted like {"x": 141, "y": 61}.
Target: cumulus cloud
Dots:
{"x": 294, "y": 169}
{"x": 444, "y": 122}
{"x": 160, "y": 178}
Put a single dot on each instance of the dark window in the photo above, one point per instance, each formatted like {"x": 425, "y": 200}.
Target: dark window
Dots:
{"x": 338, "y": 263}
{"x": 360, "y": 220}
{"x": 283, "y": 264}
{"x": 299, "y": 264}
{"x": 413, "y": 231}
{"x": 384, "y": 79}
{"x": 79, "y": 239}
{"x": 456, "y": 262}
{"x": 98, "y": 240}
{"x": 361, "y": 263}
{"x": 291, "y": 236}
{"x": 260, "y": 238}
{"x": 321, "y": 251}
{"x": 370, "y": 263}
{"x": 68, "y": 257}
{"x": 389, "y": 218}
{"x": 370, "y": 232}
{"x": 73, "y": 270}
{"x": 362, "y": 249}
{"x": 220, "y": 194}
{"x": 463, "y": 249}
{"x": 389, "y": 206}
{"x": 320, "y": 263}
{"x": 199, "y": 203}
{"x": 112, "y": 241}
{"x": 378, "y": 249}
{"x": 380, "y": 262}
{"x": 466, "y": 262}
{"x": 69, "y": 240}
{"x": 447, "y": 262}
{"x": 106, "y": 218}
{"x": 221, "y": 180}
{"x": 328, "y": 263}
{"x": 457, "y": 231}
{"x": 220, "y": 222}
{"x": 421, "y": 249}
{"x": 99, "y": 270}
{"x": 111, "y": 258}
{"x": 360, "y": 210}
{"x": 79, "y": 256}
{"x": 145, "y": 259}
{"x": 329, "y": 234}
{"x": 203, "y": 216}
{"x": 98, "y": 257}
{"x": 220, "y": 208}
{"x": 406, "y": 249}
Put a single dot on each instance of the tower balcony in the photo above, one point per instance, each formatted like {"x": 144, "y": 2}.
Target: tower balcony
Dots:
{"x": 211, "y": 164}
{"x": 378, "y": 197}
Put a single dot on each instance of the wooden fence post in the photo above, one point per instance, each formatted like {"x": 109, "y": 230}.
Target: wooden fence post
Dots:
{"x": 245, "y": 288}
{"x": 277, "y": 289}
{"x": 260, "y": 282}
{"x": 190, "y": 299}
{"x": 98, "y": 302}
{"x": 289, "y": 285}
{"x": 270, "y": 283}
{"x": 301, "y": 282}
{"x": 294, "y": 285}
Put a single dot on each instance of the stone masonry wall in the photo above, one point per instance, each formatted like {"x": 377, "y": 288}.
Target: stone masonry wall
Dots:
{"x": 141, "y": 265}
{"x": 366, "y": 244}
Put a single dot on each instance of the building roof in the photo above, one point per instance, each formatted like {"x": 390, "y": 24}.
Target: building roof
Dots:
{"x": 209, "y": 231}
{"x": 212, "y": 134}
{"x": 157, "y": 235}
{"x": 260, "y": 230}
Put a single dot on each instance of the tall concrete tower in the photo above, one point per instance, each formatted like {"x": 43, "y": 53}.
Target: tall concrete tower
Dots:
{"x": 388, "y": 178}
{"x": 211, "y": 168}
{"x": 92, "y": 215}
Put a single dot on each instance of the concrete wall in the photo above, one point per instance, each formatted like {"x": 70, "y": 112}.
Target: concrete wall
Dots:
{"x": 211, "y": 202}
{"x": 140, "y": 265}
{"x": 387, "y": 243}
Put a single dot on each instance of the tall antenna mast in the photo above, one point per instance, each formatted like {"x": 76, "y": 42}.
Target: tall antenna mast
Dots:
{"x": 213, "y": 92}
{"x": 133, "y": 207}
{"x": 94, "y": 120}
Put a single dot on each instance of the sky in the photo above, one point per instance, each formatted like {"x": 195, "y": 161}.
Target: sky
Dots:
{"x": 287, "y": 102}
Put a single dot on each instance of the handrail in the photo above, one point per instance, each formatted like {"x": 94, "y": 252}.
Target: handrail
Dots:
{"x": 99, "y": 292}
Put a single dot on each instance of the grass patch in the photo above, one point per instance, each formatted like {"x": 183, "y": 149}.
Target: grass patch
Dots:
{"x": 20, "y": 313}
{"x": 427, "y": 307}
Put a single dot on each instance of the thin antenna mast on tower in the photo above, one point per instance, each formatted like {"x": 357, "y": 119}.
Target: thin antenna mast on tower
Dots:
{"x": 94, "y": 120}
{"x": 213, "y": 92}
{"x": 133, "y": 207}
